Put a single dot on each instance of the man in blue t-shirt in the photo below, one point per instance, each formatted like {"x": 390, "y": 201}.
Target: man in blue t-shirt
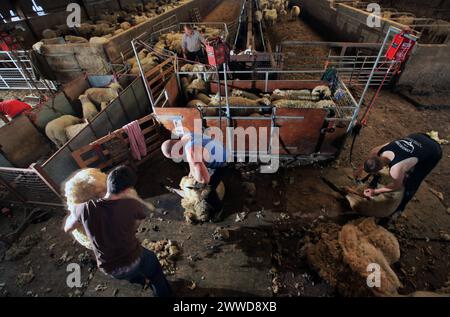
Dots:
{"x": 207, "y": 160}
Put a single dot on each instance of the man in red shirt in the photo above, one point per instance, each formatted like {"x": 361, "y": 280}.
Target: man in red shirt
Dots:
{"x": 12, "y": 108}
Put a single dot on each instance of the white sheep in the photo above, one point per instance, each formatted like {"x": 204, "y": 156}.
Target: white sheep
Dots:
{"x": 270, "y": 16}
{"x": 56, "y": 129}
{"x": 321, "y": 92}
{"x": 100, "y": 95}
{"x": 295, "y": 12}
{"x": 89, "y": 109}
{"x": 97, "y": 40}
{"x": 75, "y": 39}
{"x": 73, "y": 130}
{"x": 258, "y": 16}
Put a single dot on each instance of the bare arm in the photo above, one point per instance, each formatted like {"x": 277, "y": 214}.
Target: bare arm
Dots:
{"x": 198, "y": 169}
{"x": 71, "y": 223}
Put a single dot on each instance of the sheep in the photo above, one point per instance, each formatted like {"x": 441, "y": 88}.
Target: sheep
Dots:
{"x": 85, "y": 29}
{"x": 263, "y": 4}
{"x": 270, "y": 16}
{"x": 303, "y": 94}
{"x": 379, "y": 206}
{"x": 439, "y": 31}
{"x": 89, "y": 109}
{"x": 55, "y": 129}
{"x": 196, "y": 86}
{"x": 286, "y": 103}
{"x": 321, "y": 92}
{"x": 75, "y": 39}
{"x": 239, "y": 102}
{"x": 283, "y": 12}
{"x": 125, "y": 26}
{"x": 245, "y": 94}
{"x": 86, "y": 184}
{"x": 49, "y": 34}
{"x": 295, "y": 12}
{"x": 99, "y": 95}
{"x": 406, "y": 19}
{"x": 258, "y": 16}
{"x": 193, "y": 202}
{"x": 73, "y": 130}
{"x": 203, "y": 97}
{"x": 96, "y": 40}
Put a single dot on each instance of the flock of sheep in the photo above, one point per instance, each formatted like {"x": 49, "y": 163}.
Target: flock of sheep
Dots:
{"x": 274, "y": 9}
{"x": 196, "y": 91}
{"x": 93, "y": 100}
{"x": 108, "y": 24}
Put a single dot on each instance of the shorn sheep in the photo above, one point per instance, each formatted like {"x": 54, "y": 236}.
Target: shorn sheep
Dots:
{"x": 56, "y": 129}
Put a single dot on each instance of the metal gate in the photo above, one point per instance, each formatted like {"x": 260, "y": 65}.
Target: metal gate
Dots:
{"x": 28, "y": 185}
{"x": 16, "y": 72}
{"x": 353, "y": 61}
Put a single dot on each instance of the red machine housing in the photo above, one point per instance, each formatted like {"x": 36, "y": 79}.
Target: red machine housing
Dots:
{"x": 400, "y": 48}
{"x": 217, "y": 51}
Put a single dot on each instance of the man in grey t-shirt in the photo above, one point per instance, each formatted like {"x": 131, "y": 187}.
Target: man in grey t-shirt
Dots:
{"x": 192, "y": 44}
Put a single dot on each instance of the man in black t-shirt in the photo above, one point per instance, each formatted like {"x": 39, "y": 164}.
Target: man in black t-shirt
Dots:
{"x": 409, "y": 159}
{"x": 111, "y": 223}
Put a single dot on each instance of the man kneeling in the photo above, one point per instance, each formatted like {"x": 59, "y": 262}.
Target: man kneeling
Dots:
{"x": 111, "y": 223}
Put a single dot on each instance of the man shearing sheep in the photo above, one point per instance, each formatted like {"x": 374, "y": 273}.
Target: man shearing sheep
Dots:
{"x": 207, "y": 160}
{"x": 192, "y": 44}
{"x": 110, "y": 224}
{"x": 410, "y": 160}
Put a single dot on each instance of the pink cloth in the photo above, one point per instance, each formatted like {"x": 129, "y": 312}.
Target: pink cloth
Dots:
{"x": 137, "y": 140}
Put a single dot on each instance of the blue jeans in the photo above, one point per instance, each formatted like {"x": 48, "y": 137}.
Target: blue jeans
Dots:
{"x": 149, "y": 268}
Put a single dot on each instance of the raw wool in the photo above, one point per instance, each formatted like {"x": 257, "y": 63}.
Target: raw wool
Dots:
{"x": 241, "y": 102}
{"x": 303, "y": 94}
{"x": 325, "y": 104}
{"x": 367, "y": 243}
{"x": 86, "y": 184}
{"x": 167, "y": 252}
{"x": 342, "y": 254}
{"x": 194, "y": 204}
{"x": 56, "y": 129}
{"x": 379, "y": 206}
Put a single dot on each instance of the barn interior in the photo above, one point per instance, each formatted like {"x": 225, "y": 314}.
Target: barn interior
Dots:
{"x": 323, "y": 82}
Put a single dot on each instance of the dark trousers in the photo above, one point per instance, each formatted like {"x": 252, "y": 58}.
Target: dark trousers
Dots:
{"x": 198, "y": 56}
{"x": 149, "y": 268}
{"x": 419, "y": 173}
{"x": 213, "y": 199}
